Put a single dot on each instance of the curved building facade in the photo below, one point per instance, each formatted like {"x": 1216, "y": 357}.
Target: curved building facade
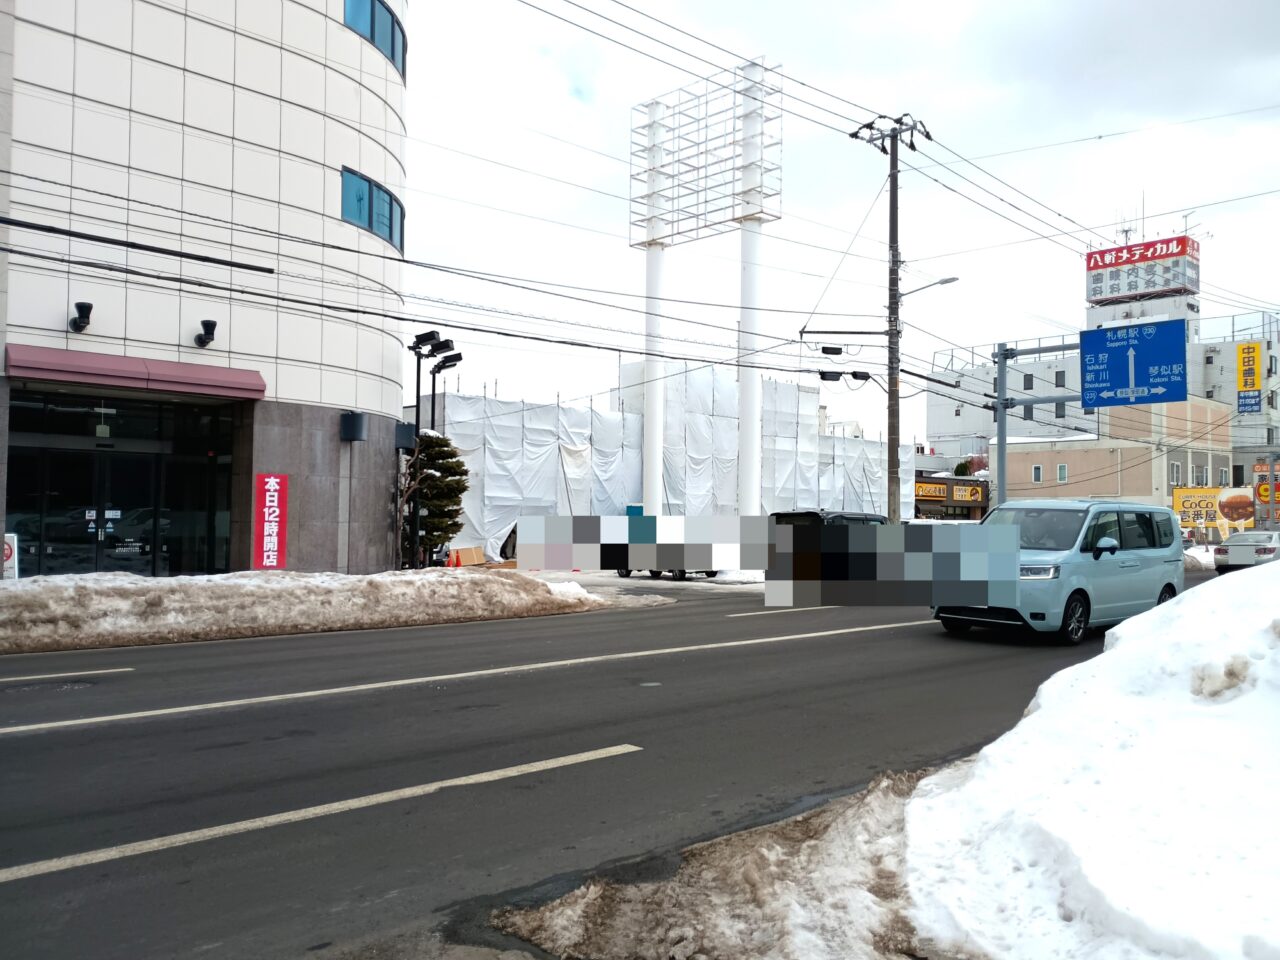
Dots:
{"x": 223, "y": 182}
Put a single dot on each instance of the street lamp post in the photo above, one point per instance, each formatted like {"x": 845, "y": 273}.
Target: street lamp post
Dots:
{"x": 445, "y": 363}
{"x": 420, "y": 342}
{"x": 895, "y": 359}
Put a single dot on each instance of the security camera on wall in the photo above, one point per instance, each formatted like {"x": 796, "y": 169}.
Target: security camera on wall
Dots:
{"x": 80, "y": 322}
{"x": 206, "y": 338}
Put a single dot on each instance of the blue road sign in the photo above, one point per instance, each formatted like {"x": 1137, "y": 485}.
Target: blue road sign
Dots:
{"x": 1146, "y": 363}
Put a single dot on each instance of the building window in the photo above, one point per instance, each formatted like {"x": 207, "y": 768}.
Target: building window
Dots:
{"x": 1271, "y": 435}
{"x": 1059, "y": 410}
{"x": 374, "y": 21}
{"x": 369, "y": 205}
{"x": 1060, "y": 378}
{"x": 1037, "y": 473}
{"x": 1062, "y": 473}
{"x": 1175, "y": 474}
{"x": 1028, "y": 381}
{"x": 1222, "y": 476}
{"x": 1271, "y": 399}
{"x": 957, "y": 411}
{"x": 1199, "y": 476}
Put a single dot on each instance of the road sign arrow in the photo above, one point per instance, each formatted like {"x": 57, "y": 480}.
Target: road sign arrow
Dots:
{"x": 1131, "y": 383}
{"x": 1158, "y": 390}
{"x": 1107, "y": 393}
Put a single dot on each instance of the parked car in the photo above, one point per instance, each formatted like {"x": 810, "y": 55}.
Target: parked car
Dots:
{"x": 1082, "y": 564}
{"x": 793, "y": 518}
{"x": 846, "y": 518}
{"x": 678, "y": 574}
{"x": 1247, "y": 549}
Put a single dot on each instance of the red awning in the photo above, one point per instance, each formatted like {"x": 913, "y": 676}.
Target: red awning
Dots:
{"x": 24, "y": 362}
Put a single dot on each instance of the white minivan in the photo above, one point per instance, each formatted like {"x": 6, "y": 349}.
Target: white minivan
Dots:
{"x": 1082, "y": 564}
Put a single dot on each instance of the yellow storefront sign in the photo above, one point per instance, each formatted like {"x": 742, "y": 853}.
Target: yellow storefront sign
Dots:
{"x": 1227, "y": 508}
{"x": 1248, "y": 359}
{"x": 967, "y": 494}
{"x": 931, "y": 491}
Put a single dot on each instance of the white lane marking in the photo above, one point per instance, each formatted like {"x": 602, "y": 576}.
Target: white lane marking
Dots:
{"x": 74, "y": 673}
{"x": 441, "y": 678}
{"x": 763, "y": 613}
{"x": 40, "y": 867}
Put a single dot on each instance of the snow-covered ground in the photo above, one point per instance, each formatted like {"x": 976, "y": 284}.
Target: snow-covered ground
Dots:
{"x": 1198, "y": 558}
{"x": 607, "y": 583}
{"x": 118, "y": 609}
{"x": 822, "y": 886}
{"x": 1130, "y": 815}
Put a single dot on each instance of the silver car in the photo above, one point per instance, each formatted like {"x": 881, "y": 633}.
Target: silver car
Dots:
{"x": 1247, "y": 549}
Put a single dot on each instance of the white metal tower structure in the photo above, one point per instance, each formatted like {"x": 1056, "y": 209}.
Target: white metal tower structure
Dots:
{"x": 705, "y": 161}
{"x": 655, "y": 242}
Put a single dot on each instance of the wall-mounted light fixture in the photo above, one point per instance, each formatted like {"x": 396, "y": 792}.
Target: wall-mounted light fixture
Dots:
{"x": 80, "y": 322}
{"x": 353, "y": 426}
{"x": 206, "y": 338}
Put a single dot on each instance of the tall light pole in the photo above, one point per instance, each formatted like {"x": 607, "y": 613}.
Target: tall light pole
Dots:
{"x": 878, "y": 134}
{"x": 895, "y": 367}
{"x": 423, "y": 341}
{"x": 445, "y": 363}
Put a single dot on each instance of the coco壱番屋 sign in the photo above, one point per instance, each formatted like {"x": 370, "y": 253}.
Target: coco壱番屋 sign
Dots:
{"x": 270, "y": 520}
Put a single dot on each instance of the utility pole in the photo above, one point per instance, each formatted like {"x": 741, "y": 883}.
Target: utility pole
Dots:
{"x": 878, "y": 134}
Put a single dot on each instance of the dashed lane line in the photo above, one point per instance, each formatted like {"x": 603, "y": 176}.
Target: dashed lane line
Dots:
{"x": 73, "y": 673}
{"x": 26, "y": 870}
{"x": 444, "y": 677}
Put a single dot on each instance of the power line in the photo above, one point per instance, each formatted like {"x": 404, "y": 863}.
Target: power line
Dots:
{"x": 1095, "y": 138}
{"x": 1067, "y": 233}
{"x": 133, "y": 245}
{"x": 457, "y": 271}
{"x": 364, "y": 311}
{"x": 738, "y": 56}
{"x": 686, "y": 70}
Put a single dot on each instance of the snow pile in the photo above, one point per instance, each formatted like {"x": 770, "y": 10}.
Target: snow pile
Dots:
{"x": 1130, "y": 814}
{"x": 822, "y": 886}
{"x": 733, "y": 577}
{"x": 118, "y": 609}
{"x": 1198, "y": 558}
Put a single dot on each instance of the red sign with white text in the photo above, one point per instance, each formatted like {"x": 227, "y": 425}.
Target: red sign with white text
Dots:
{"x": 270, "y": 520}
{"x": 1139, "y": 270}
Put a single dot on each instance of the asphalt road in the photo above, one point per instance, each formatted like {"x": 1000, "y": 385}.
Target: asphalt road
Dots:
{"x": 728, "y": 736}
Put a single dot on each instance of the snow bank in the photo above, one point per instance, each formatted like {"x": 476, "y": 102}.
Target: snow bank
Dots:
{"x": 1198, "y": 558}
{"x": 1130, "y": 814}
{"x": 733, "y": 577}
{"x": 117, "y": 609}
{"x": 822, "y": 886}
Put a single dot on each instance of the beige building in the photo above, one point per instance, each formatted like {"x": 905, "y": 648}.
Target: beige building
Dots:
{"x": 1144, "y": 452}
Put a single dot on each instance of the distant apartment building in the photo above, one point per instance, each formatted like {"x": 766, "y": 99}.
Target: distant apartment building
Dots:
{"x": 201, "y": 368}
{"x": 1141, "y": 453}
{"x": 1222, "y": 355}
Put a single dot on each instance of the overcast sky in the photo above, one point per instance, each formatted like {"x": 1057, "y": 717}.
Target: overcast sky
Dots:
{"x": 502, "y": 81}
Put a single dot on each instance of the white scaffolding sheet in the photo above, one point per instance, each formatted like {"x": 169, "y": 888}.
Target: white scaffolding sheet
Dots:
{"x": 539, "y": 459}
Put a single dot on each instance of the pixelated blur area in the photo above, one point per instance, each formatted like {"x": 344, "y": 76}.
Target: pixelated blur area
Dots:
{"x": 643, "y": 543}
{"x": 813, "y": 565}
{"x": 890, "y": 566}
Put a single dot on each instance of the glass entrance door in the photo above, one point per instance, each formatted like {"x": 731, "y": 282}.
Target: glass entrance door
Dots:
{"x": 70, "y": 514}
{"x": 126, "y": 498}
{"x": 99, "y": 513}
